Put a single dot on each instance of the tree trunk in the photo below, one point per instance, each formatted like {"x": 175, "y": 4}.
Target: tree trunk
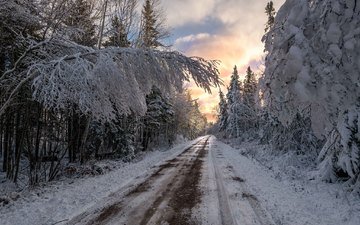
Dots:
{"x": 83, "y": 139}
{"x": 18, "y": 145}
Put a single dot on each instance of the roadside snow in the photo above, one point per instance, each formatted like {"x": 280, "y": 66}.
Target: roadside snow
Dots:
{"x": 61, "y": 200}
{"x": 289, "y": 201}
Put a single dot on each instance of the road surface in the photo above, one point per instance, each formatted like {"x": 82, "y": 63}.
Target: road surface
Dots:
{"x": 195, "y": 187}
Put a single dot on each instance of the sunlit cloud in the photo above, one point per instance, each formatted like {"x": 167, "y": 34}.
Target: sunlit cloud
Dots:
{"x": 225, "y": 30}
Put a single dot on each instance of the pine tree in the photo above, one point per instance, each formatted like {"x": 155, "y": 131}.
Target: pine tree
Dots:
{"x": 234, "y": 87}
{"x": 152, "y": 25}
{"x": 234, "y": 100}
{"x": 119, "y": 36}
{"x": 159, "y": 113}
{"x": 249, "y": 112}
{"x": 81, "y": 23}
{"x": 223, "y": 113}
{"x": 249, "y": 88}
{"x": 149, "y": 32}
{"x": 270, "y": 12}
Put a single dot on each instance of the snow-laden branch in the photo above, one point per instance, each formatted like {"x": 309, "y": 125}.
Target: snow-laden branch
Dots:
{"x": 30, "y": 49}
{"x": 98, "y": 82}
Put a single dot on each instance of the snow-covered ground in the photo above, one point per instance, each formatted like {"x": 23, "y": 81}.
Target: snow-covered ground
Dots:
{"x": 59, "y": 201}
{"x": 234, "y": 189}
{"x": 287, "y": 200}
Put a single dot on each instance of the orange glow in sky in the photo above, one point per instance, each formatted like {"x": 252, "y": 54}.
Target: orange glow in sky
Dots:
{"x": 225, "y": 30}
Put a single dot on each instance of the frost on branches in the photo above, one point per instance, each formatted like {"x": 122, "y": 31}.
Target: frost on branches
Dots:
{"x": 313, "y": 69}
{"x": 95, "y": 82}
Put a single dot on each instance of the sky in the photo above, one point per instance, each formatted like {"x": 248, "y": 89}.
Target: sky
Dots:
{"x": 225, "y": 30}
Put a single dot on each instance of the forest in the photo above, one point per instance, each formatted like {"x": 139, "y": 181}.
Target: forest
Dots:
{"x": 83, "y": 80}
{"x": 105, "y": 119}
{"x": 306, "y": 101}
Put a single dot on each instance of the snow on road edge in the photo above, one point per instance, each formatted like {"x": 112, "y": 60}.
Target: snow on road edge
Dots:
{"x": 287, "y": 201}
{"x": 62, "y": 200}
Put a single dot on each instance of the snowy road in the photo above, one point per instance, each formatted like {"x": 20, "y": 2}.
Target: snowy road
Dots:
{"x": 199, "y": 182}
{"x": 192, "y": 188}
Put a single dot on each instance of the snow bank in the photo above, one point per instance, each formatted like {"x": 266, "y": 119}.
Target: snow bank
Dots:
{"x": 62, "y": 200}
{"x": 295, "y": 202}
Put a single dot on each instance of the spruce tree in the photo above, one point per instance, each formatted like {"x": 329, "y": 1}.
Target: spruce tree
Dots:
{"x": 119, "y": 36}
{"x": 159, "y": 114}
{"x": 149, "y": 32}
{"x": 81, "y": 23}
{"x": 152, "y": 25}
{"x": 270, "y": 12}
{"x": 223, "y": 113}
{"x": 249, "y": 88}
{"x": 234, "y": 100}
{"x": 234, "y": 86}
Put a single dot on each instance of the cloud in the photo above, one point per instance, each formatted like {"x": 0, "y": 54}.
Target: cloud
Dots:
{"x": 226, "y": 30}
{"x": 180, "y": 12}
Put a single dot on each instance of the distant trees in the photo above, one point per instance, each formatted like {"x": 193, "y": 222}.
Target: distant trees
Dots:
{"x": 188, "y": 120}
{"x": 238, "y": 113}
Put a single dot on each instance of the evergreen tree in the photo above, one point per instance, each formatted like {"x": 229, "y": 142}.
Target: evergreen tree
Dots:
{"x": 152, "y": 25}
{"x": 270, "y": 12}
{"x": 81, "y": 23}
{"x": 119, "y": 36}
{"x": 234, "y": 88}
{"x": 223, "y": 113}
{"x": 249, "y": 112}
{"x": 250, "y": 87}
{"x": 234, "y": 100}
{"x": 18, "y": 20}
{"x": 158, "y": 115}
{"x": 149, "y": 32}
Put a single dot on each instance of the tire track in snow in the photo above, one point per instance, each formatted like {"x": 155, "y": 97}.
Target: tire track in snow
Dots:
{"x": 245, "y": 208}
{"x": 223, "y": 197}
{"x": 165, "y": 196}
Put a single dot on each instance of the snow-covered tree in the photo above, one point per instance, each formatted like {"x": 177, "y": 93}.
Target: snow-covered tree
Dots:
{"x": 159, "y": 114}
{"x": 234, "y": 88}
{"x": 249, "y": 112}
{"x": 312, "y": 69}
{"x": 235, "y": 106}
{"x": 17, "y": 19}
{"x": 223, "y": 112}
{"x": 250, "y": 88}
{"x": 188, "y": 122}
